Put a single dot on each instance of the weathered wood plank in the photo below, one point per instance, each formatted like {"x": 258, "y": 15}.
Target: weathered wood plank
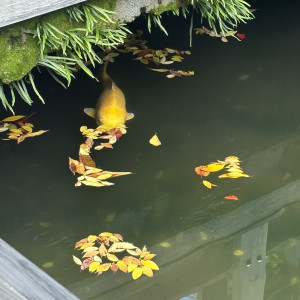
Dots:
{"x": 21, "y": 279}
{"x": 218, "y": 228}
{"x": 13, "y": 11}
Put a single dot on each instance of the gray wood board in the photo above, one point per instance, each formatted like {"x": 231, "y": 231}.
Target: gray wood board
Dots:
{"x": 13, "y": 11}
{"x": 21, "y": 279}
{"x": 218, "y": 228}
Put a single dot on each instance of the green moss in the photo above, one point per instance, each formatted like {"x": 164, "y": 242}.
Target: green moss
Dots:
{"x": 19, "y": 53}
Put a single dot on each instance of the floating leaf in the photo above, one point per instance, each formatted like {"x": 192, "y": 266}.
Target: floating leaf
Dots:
{"x": 155, "y": 140}
{"x": 177, "y": 58}
{"x": 90, "y": 253}
{"x": 94, "y": 266}
{"x": 13, "y": 118}
{"x": 159, "y": 70}
{"x": 241, "y": 36}
{"x": 231, "y": 197}
{"x": 92, "y": 238}
{"x": 132, "y": 267}
{"x": 147, "y": 271}
{"x": 132, "y": 252}
{"x": 104, "y": 267}
{"x": 76, "y": 166}
{"x": 208, "y": 184}
{"x": 111, "y": 257}
{"x": 114, "y": 267}
{"x": 233, "y": 175}
{"x": 213, "y": 167}
{"x": 150, "y": 264}
{"x": 77, "y": 261}
{"x": 149, "y": 256}
{"x": 200, "y": 171}
{"x": 122, "y": 266}
{"x": 137, "y": 273}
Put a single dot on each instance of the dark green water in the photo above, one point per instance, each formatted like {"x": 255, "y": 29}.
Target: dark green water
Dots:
{"x": 199, "y": 119}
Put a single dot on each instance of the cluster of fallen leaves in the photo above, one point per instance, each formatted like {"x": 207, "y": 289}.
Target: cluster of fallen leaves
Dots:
{"x": 137, "y": 46}
{"x": 18, "y": 128}
{"x": 86, "y": 166}
{"x": 233, "y": 170}
{"x": 99, "y": 254}
{"x": 223, "y": 36}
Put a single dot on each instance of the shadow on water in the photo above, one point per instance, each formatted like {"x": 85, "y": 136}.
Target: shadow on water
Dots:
{"x": 198, "y": 119}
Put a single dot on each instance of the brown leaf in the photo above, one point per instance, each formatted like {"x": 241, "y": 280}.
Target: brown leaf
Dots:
{"x": 114, "y": 267}
{"x": 199, "y": 170}
{"x": 86, "y": 160}
{"x": 102, "y": 250}
{"x": 76, "y": 166}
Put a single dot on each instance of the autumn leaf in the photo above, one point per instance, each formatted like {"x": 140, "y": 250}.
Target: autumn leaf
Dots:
{"x": 241, "y": 36}
{"x": 147, "y": 271}
{"x": 77, "y": 260}
{"x": 200, "y": 171}
{"x": 137, "y": 273}
{"x": 94, "y": 266}
{"x": 155, "y": 140}
{"x": 103, "y": 267}
{"x": 76, "y": 166}
{"x": 238, "y": 252}
{"x": 90, "y": 253}
{"x": 132, "y": 267}
{"x": 231, "y": 197}
{"x": 86, "y": 245}
{"x": 111, "y": 257}
{"x": 233, "y": 175}
{"x": 114, "y": 267}
{"x": 213, "y": 167}
{"x": 150, "y": 264}
{"x": 149, "y": 256}
{"x": 122, "y": 266}
{"x": 208, "y": 184}
{"x": 159, "y": 70}
{"x": 13, "y": 118}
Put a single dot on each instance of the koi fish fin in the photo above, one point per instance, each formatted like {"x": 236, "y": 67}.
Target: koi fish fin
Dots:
{"x": 129, "y": 116}
{"x": 90, "y": 112}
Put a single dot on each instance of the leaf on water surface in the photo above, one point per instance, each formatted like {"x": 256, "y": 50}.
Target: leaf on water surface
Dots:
{"x": 13, "y": 118}
{"x": 155, "y": 140}
{"x": 93, "y": 267}
{"x": 77, "y": 260}
{"x": 131, "y": 267}
{"x": 200, "y": 171}
{"x": 208, "y": 184}
{"x": 122, "y": 266}
{"x": 147, "y": 271}
{"x": 159, "y": 70}
{"x": 112, "y": 257}
{"x": 150, "y": 264}
{"x": 213, "y": 167}
{"x": 75, "y": 166}
{"x": 137, "y": 273}
{"x": 231, "y": 197}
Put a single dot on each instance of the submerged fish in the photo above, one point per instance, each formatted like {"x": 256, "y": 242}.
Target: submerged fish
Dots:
{"x": 111, "y": 105}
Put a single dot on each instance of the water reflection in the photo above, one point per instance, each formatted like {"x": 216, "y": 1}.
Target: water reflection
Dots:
{"x": 199, "y": 119}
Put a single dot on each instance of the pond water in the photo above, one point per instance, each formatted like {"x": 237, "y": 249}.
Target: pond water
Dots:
{"x": 243, "y": 100}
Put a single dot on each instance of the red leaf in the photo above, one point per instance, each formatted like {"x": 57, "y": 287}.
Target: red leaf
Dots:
{"x": 199, "y": 170}
{"x": 231, "y": 197}
{"x": 145, "y": 52}
{"x": 241, "y": 36}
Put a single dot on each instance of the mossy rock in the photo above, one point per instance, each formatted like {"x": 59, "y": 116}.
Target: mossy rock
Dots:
{"x": 19, "y": 53}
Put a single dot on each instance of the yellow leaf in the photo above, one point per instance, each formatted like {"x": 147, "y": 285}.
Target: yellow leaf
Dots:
{"x": 137, "y": 273}
{"x": 90, "y": 253}
{"x": 233, "y": 175}
{"x": 147, "y": 271}
{"x": 104, "y": 267}
{"x": 155, "y": 140}
{"x": 124, "y": 245}
{"x": 232, "y": 159}
{"x": 104, "y": 176}
{"x": 213, "y": 167}
{"x": 97, "y": 258}
{"x": 16, "y": 131}
{"x": 27, "y": 128}
{"x": 77, "y": 261}
{"x": 150, "y": 264}
{"x": 48, "y": 264}
{"x": 111, "y": 257}
{"x": 92, "y": 238}
{"x": 177, "y": 58}
{"x": 149, "y": 256}
{"x": 84, "y": 149}
{"x": 94, "y": 266}
{"x": 85, "y": 245}
{"x": 238, "y": 252}
{"x": 122, "y": 266}
{"x": 144, "y": 61}
{"x": 87, "y": 249}
{"x": 159, "y": 52}
{"x": 29, "y": 124}
{"x": 294, "y": 281}
{"x": 132, "y": 252}
{"x": 159, "y": 70}
{"x": 131, "y": 267}
{"x": 12, "y": 118}
{"x": 92, "y": 183}
{"x": 165, "y": 244}
{"x": 208, "y": 184}
{"x": 83, "y": 128}
{"x": 105, "y": 234}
